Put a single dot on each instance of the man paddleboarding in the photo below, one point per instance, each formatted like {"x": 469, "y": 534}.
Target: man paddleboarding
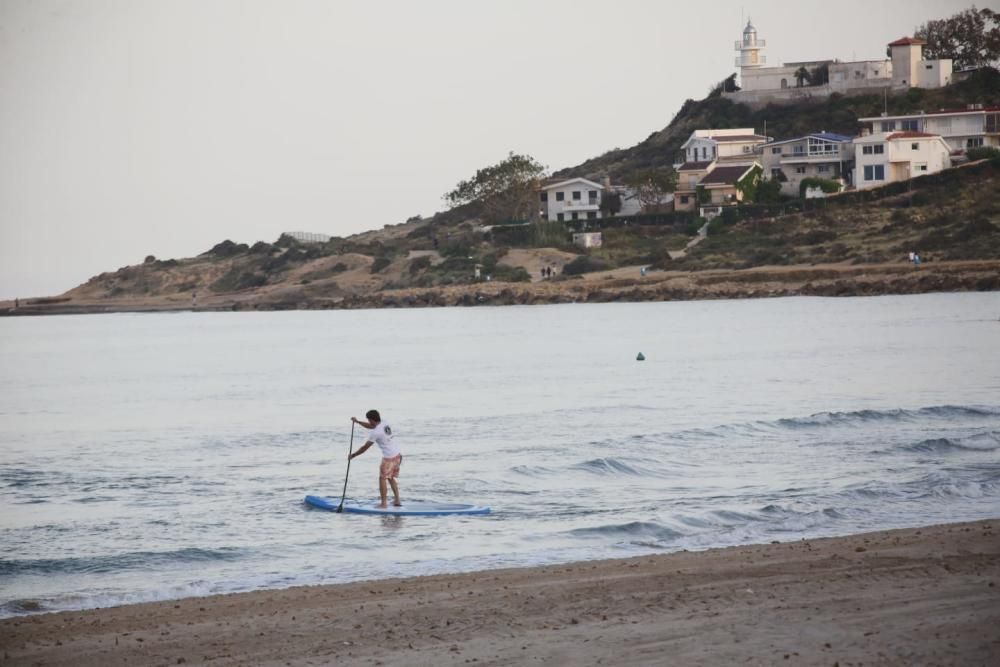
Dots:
{"x": 380, "y": 433}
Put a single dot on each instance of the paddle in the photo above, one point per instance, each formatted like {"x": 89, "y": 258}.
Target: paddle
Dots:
{"x": 340, "y": 507}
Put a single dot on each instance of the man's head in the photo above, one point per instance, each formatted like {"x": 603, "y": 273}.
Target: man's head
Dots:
{"x": 373, "y": 416}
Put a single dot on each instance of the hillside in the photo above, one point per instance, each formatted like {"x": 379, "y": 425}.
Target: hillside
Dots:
{"x": 835, "y": 114}
{"x": 954, "y": 215}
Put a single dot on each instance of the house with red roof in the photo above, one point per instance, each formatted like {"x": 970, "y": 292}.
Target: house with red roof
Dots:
{"x": 975, "y": 126}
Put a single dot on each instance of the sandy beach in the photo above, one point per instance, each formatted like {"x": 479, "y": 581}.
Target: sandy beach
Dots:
{"x": 922, "y": 596}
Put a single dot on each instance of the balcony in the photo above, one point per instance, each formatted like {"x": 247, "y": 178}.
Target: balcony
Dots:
{"x": 760, "y": 43}
{"x": 581, "y": 204}
{"x": 761, "y": 60}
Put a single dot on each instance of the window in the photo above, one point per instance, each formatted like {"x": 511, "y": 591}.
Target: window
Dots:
{"x": 910, "y": 125}
{"x": 921, "y": 167}
{"x": 879, "y": 149}
{"x": 914, "y": 147}
{"x": 577, "y": 195}
{"x": 873, "y": 149}
{"x": 592, "y": 195}
{"x": 576, "y": 216}
{"x": 545, "y": 196}
{"x": 929, "y": 66}
{"x": 560, "y": 196}
{"x": 704, "y": 152}
{"x": 591, "y": 215}
{"x": 823, "y": 168}
{"x": 684, "y": 199}
{"x": 875, "y": 172}
{"x": 560, "y": 217}
{"x": 975, "y": 142}
{"x": 776, "y": 150}
{"x": 888, "y": 125}
{"x": 800, "y": 170}
{"x": 775, "y": 172}
{"x": 746, "y": 149}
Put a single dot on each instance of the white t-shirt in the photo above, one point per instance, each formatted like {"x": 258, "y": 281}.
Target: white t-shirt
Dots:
{"x": 382, "y": 436}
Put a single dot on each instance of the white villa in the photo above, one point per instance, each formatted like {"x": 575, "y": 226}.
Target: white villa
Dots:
{"x": 733, "y": 145}
{"x": 821, "y": 155}
{"x": 580, "y": 199}
{"x": 573, "y": 199}
{"x": 905, "y": 68}
{"x": 887, "y": 157}
{"x": 972, "y": 127}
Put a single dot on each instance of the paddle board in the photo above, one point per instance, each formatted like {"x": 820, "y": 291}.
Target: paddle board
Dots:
{"x": 419, "y": 508}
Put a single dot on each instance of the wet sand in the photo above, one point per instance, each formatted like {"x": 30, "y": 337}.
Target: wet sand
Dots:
{"x": 927, "y": 596}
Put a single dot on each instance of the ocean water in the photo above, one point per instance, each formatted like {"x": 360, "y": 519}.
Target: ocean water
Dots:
{"x": 148, "y": 457}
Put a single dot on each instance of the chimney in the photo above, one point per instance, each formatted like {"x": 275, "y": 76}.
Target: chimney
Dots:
{"x": 606, "y": 182}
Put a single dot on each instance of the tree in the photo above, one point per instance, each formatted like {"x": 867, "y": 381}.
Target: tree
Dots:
{"x": 970, "y": 38}
{"x": 507, "y": 190}
{"x": 768, "y": 192}
{"x": 611, "y": 204}
{"x": 650, "y": 185}
{"x": 802, "y": 77}
{"x": 820, "y": 75}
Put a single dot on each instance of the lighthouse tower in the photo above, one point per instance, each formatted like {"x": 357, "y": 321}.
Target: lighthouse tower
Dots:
{"x": 749, "y": 48}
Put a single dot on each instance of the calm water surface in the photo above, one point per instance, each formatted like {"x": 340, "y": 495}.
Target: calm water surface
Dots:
{"x": 155, "y": 456}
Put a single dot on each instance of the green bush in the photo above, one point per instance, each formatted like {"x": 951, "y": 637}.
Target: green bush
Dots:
{"x": 380, "y": 263}
{"x": 826, "y": 185}
{"x": 419, "y": 264}
{"x": 585, "y": 264}
{"x": 983, "y": 153}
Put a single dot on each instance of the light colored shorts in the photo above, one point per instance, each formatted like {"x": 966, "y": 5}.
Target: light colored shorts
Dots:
{"x": 390, "y": 467}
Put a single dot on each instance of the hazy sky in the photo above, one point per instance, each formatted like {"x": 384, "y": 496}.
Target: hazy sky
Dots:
{"x": 134, "y": 127}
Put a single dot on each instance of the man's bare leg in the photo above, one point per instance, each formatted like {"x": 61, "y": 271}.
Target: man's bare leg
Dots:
{"x": 382, "y": 492}
{"x": 395, "y": 492}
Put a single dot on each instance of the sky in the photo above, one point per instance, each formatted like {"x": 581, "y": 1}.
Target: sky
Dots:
{"x": 137, "y": 127}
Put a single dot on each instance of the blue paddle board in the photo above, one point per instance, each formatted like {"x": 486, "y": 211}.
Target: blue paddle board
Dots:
{"x": 408, "y": 508}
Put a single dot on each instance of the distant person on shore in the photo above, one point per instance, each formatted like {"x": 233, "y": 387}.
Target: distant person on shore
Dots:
{"x": 913, "y": 257}
{"x": 380, "y": 433}
{"x": 17, "y": 303}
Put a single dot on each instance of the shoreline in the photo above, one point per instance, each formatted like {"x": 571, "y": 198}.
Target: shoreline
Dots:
{"x": 904, "y": 596}
{"x": 619, "y": 285}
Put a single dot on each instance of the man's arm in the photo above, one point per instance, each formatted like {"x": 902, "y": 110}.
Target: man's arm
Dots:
{"x": 367, "y": 425}
{"x": 364, "y": 448}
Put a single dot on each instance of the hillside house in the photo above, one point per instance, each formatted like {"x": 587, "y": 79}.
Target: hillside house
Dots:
{"x": 689, "y": 175}
{"x": 572, "y": 199}
{"x": 821, "y": 155}
{"x": 732, "y": 145}
{"x": 887, "y": 157}
{"x": 975, "y": 126}
{"x": 722, "y": 184}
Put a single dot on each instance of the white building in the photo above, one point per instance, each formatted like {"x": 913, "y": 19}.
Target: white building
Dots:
{"x": 581, "y": 198}
{"x": 905, "y": 68}
{"x": 821, "y": 155}
{"x": 572, "y": 199}
{"x": 732, "y": 145}
{"x": 588, "y": 239}
{"x": 972, "y": 127}
{"x": 887, "y": 157}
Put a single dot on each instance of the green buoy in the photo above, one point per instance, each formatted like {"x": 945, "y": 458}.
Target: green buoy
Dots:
{"x": 640, "y": 357}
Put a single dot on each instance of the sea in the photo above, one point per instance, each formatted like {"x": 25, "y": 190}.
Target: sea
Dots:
{"x": 157, "y": 456}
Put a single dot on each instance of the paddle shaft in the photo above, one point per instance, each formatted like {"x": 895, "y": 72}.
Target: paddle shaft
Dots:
{"x": 350, "y": 450}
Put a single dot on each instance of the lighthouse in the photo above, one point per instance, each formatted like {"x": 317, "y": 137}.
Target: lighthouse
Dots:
{"x": 749, "y": 48}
